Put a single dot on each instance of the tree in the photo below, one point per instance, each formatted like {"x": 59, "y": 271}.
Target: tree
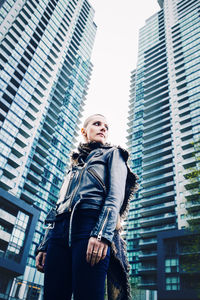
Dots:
{"x": 191, "y": 245}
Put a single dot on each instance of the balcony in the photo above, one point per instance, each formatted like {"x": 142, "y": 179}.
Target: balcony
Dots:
{"x": 148, "y": 243}
{"x": 157, "y": 189}
{"x": 159, "y": 208}
{"x": 40, "y": 160}
{"x": 58, "y": 100}
{"x": 193, "y": 205}
{"x": 3, "y": 113}
{"x": 31, "y": 112}
{"x": 55, "y": 107}
{"x": 42, "y": 150}
{"x": 34, "y": 176}
{"x": 155, "y": 118}
{"x": 147, "y": 255}
{"x": 23, "y": 130}
{"x": 155, "y": 132}
{"x": 158, "y": 219}
{"x": 153, "y": 180}
{"x": 155, "y": 75}
{"x": 185, "y": 119}
{"x": 37, "y": 167}
{"x": 159, "y": 55}
{"x": 44, "y": 142}
{"x": 160, "y": 91}
{"x": 162, "y": 160}
{"x": 157, "y": 50}
{"x": 28, "y": 122}
{"x": 51, "y": 120}
{"x": 48, "y": 128}
{"x": 31, "y": 186}
{"x": 159, "y": 198}
{"x": 159, "y": 138}
{"x": 189, "y": 162}
{"x": 161, "y": 66}
{"x": 52, "y": 113}
{"x": 157, "y": 124}
{"x": 27, "y": 196}
{"x": 147, "y": 269}
{"x": 194, "y": 218}
{"x": 10, "y": 172}
{"x": 186, "y": 127}
{"x": 160, "y": 145}
{"x": 152, "y": 231}
{"x": 14, "y": 161}
{"x": 6, "y": 183}
{"x": 187, "y": 153}
{"x": 163, "y": 112}
{"x": 46, "y": 134}
{"x": 187, "y": 144}
{"x": 187, "y": 135}
{"x": 156, "y": 84}
{"x": 148, "y": 285}
{"x": 17, "y": 150}
{"x": 21, "y": 140}
{"x": 152, "y": 106}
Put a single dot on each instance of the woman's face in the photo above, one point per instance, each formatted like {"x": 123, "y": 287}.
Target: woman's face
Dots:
{"x": 96, "y": 130}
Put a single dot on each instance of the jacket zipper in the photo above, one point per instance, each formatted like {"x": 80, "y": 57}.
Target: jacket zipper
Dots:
{"x": 75, "y": 190}
{"x": 70, "y": 182}
{"x": 103, "y": 225}
{"x": 96, "y": 176}
{"x": 70, "y": 223}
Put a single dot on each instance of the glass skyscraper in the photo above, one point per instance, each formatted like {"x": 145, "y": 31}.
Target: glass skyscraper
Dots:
{"x": 164, "y": 130}
{"x": 45, "y": 70}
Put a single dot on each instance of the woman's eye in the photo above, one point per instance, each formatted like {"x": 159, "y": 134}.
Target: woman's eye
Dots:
{"x": 97, "y": 123}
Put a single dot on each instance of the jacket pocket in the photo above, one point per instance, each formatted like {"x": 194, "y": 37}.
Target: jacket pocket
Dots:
{"x": 98, "y": 178}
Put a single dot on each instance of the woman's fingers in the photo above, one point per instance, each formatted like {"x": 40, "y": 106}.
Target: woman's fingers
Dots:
{"x": 96, "y": 251}
{"x": 89, "y": 250}
{"x": 105, "y": 249}
{"x": 43, "y": 259}
{"x": 99, "y": 255}
{"x": 40, "y": 261}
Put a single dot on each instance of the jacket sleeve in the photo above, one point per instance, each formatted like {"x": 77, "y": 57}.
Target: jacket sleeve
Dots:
{"x": 44, "y": 243}
{"x": 107, "y": 220}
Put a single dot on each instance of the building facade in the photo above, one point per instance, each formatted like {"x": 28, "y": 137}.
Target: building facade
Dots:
{"x": 163, "y": 134}
{"x": 45, "y": 71}
{"x": 17, "y": 226}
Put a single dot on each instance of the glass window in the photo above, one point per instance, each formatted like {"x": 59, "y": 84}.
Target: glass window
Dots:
{"x": 171, "y": 265}
{"x": 172, "y": 283}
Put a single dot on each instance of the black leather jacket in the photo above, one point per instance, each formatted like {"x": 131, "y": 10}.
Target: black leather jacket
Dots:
{"x": 99, "y": 183}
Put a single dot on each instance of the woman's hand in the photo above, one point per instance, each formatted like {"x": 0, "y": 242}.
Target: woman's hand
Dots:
{"x": 96, "y": 251}
{"x": 40, "y": 260}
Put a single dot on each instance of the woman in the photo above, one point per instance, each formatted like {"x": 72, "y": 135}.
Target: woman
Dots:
{"x": 78, "y": 249}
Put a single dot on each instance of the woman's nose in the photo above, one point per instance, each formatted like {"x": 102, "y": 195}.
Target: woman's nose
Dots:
{"x": 103, "y": 128}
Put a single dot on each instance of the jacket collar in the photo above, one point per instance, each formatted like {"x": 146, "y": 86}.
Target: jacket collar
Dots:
{"x": 84, "y": 150}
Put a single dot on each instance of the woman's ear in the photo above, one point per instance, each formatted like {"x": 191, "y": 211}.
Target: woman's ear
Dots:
{"x": 84, "y": 133}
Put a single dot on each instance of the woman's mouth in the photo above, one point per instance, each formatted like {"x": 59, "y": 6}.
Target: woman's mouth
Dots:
{"x": 101, "y": 134}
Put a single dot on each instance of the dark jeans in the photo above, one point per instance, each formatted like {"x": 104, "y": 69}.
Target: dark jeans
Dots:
{"x": 66, "y": 269}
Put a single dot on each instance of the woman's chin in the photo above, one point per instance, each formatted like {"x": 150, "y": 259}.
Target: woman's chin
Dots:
{"x": 99, "y": 139}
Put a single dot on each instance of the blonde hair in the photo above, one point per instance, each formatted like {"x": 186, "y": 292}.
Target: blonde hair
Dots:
{"x": 85, "y": 124}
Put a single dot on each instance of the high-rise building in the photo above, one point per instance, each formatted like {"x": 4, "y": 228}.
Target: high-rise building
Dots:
{"x": 45, "y": 70}
{"x": 164, "y": 122}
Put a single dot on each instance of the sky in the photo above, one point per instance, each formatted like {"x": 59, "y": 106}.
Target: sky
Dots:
{"x": 114, "y": 56}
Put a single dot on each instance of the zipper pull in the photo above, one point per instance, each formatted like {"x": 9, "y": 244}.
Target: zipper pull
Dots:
{"x": 99, "y": 236}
